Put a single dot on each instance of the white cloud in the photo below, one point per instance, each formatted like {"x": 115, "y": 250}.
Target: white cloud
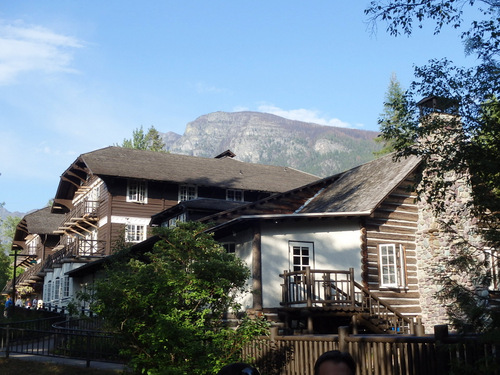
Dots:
{"x": 27, "y": 48}
{"x": 306, "y": 115}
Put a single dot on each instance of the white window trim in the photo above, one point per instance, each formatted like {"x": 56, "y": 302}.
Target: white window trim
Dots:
{"x": 141, "y": 195}
{"x": 136, "y": 235}
{"x": 184, "y": 194}
{"x": 309, "y": 245}
{"x": 399, "y": 262}
{"x": 234, "y": 192}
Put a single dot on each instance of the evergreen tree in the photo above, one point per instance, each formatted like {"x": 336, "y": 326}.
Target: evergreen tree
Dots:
{"x": 394, "y": 115}
{"x": 145, "y": 141}
{"x": 469, "y": 144}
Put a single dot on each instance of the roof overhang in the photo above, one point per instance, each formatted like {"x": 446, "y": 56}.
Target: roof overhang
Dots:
{"x": 281, "y": 217}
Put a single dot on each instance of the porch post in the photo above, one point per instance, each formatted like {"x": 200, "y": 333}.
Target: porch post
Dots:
{"x": 257, "y": 268}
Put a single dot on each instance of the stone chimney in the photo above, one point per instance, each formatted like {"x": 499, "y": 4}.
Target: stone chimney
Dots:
{"x": 444, "y": 224}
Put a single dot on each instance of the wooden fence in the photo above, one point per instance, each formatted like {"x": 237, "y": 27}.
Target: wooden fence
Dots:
{"x": 438, "y": 354}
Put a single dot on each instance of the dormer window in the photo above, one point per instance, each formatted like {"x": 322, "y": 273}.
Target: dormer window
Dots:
{"x": 137, "y": 191}
{"x": 188, "y": 192}
{"x": 235, "y": 195}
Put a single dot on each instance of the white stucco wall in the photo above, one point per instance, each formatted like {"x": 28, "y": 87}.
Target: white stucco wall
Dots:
{"x": 337, "y": 246}
{"x": 50, "y": 279}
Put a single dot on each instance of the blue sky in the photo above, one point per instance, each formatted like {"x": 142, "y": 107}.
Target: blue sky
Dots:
{"x": 76, "y": 76}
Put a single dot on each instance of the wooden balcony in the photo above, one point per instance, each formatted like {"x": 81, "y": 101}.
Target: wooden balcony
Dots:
{"x": 81, "y": 219}
{"x": 337, "y": 293}
{"x": 80, "y": 248}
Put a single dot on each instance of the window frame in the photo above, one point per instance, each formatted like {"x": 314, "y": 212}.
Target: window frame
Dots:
{"x": 136, "y": 236}
{"x": 137, "y": 191}
{"x": 230, "y": 247}
{"x": 394, "y": 258}
{"x": 187, "y": 194}
{"x": 234, "y": 193}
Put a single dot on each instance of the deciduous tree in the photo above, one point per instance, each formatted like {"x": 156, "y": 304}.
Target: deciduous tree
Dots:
{"x": 169, "y": 304}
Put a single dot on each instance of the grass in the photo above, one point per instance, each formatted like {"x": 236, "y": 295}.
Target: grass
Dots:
{"x": 13, "y": 366}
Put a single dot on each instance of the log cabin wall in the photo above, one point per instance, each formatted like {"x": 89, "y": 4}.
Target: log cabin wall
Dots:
{"x": 394, "y": 223}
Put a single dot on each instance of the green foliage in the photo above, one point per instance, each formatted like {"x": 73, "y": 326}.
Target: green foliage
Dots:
{"x": 145, "y": 141}
{"x": 168, "y": 304}
{"x": 394, "y": 117}
{"x": 466, "y": 143}
{"x": 7, "y": 230}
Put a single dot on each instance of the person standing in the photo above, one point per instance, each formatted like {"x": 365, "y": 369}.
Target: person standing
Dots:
{"x": 9, "y": 305}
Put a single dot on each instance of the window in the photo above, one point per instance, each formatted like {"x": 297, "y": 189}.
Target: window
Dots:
{"x": 49, "y": 291}
{"x": 301, "y": 254}
{"x": 135, "y": 233}
{"x": 66, "y": 287}
{"x": 230, "y": 247}
{"x": 137, "y": 191}
{"x": 392, "y": 269}
{"x": 172, "y": 223}
{"x": 235, "y": 195}
{"x": 57, "y": 287}
{"x": 188, "y": 192}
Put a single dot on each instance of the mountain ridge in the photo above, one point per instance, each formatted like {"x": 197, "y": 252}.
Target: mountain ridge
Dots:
{"x": 270, "y": 139}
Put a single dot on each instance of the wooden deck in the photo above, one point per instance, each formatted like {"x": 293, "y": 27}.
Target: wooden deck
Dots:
{"x": 314, "y": 293}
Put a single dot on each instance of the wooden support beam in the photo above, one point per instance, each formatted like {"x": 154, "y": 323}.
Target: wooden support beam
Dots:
{"x": 64, "y": 178}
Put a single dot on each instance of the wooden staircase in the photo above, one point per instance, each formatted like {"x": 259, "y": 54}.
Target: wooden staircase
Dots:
{"x": 320, "y": 292}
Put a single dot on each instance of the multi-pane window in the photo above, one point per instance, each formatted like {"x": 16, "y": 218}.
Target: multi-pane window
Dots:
{"x": 230, "y": 247}
{"x": 392, "y": 270}
{"x": 57, "y": 288}
{"x": 187, "y": 192}
{"x": 172, "y": 223}
{"x": 135, "y": 233}
{"x": 301, "y": 255}
{"x": 49, "y": 291}
{"x": 235, "y": 195}
{"x": 137, "y": 191}
{"x": 66, "y": 287}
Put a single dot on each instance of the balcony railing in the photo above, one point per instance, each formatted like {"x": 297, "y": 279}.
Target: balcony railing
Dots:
{"x": 337, "y": 290}
{"x": 80, "y": 247}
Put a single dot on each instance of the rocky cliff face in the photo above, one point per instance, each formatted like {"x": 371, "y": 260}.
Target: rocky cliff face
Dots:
{"x": 269, "y": 139}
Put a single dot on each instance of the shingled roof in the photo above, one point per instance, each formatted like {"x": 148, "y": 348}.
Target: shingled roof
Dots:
{"x": 362, "y": 189}
{"x": 357, "y": 191}
{"x": 41, "y": 221}
{"x": 159, "y": 166}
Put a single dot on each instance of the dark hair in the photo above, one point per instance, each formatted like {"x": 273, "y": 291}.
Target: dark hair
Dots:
{"x": 338, "y": 357}
{"x": 239, "y": 368}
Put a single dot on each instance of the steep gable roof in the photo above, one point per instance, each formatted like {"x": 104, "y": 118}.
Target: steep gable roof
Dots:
{"x": 226, "y": 172}
{"x": 41, "y": 221}
{"x": 357, "y": 191}
{"x": 362, "y": 189}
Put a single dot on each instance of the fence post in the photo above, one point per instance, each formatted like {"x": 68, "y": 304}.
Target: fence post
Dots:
{"x": 442, "y": 357}
{"x": 351, "y": 284}
{"x": 343, "y": 334}
{"x": 441, "y": 332}
{"x": 88, "y": 349}
{"x": 419, "y": 327}
{"x": 7, "y": 342}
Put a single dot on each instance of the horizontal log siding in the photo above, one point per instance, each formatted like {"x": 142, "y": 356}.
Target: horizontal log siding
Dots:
{"x": 394, "y": 221}
{"x": 160, "y": 197}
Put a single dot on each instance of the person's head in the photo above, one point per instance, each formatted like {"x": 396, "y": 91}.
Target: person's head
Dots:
{"x": 335, "y": 362}
{"x": 238, "y": 369}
